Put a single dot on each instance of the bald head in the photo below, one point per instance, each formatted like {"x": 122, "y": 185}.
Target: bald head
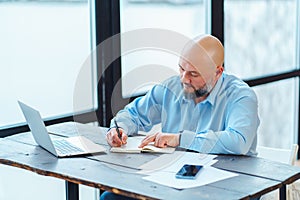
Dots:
{"x": 204, "y": 52}
{"x": 213, "y": 48}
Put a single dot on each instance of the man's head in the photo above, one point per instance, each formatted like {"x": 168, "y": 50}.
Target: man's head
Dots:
{"x": 201, "y": 65}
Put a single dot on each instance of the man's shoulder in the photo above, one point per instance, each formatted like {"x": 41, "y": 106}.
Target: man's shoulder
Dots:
{"x": 236, "y": 86}
{"x": 231, "y": 80}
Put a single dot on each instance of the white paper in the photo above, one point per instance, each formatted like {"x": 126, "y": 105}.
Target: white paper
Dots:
{"x": 207, "y": 175}
{"x": 133, "y": 143}
{"x": 162, "y": 170}
{"x": 173, "y": 162}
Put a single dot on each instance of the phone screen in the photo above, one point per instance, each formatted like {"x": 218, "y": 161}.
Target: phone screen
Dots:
{"x": 188, "y": 171}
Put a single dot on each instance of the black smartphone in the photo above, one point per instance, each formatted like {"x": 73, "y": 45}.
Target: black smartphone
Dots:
{"x": 188, "y": 171}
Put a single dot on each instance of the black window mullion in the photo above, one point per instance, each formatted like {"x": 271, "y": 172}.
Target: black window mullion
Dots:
{"x": 217, "y": 19}
{"x": 107, "y": 22}
{"x": 272, "y": 78}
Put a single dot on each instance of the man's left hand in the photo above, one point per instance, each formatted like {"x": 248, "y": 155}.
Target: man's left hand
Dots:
{"x": 161, "y": 140}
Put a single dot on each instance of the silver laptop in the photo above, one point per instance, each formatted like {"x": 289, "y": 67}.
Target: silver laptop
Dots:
{"x": 62, "y": 147}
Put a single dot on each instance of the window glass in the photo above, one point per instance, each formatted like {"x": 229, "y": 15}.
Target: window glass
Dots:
{"x": 277, "y": 106}
{"x": 260, "y": 40}
{"x": 187, "y": 17}
{"x": 44, "y": 45}
{"x": 260, "y": 36}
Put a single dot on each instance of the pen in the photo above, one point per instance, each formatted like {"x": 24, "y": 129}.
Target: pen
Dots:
{"x": 118, "y": 130}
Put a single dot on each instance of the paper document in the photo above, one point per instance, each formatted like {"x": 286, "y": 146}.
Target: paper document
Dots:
{"x": 134, "y": 142}
{"x": 173, "y": 162}
{"x": 207, "y": 175}
{"x": 162, "y": 170}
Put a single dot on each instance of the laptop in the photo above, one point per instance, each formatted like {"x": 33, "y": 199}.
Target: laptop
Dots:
{"x": 62, "y": 147}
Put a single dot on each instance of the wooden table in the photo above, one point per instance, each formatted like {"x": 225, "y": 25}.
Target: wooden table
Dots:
{"x": 116, "y": 172}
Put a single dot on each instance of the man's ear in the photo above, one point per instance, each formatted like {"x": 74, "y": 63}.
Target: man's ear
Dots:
{"x": 219, "y": 70}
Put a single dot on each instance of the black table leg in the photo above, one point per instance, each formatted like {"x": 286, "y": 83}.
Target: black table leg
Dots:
{"x": 282, "y": 191}
{"x": 72, "y": 191}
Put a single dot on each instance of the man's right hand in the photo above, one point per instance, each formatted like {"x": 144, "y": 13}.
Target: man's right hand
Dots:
{"x": 113, "y": 138}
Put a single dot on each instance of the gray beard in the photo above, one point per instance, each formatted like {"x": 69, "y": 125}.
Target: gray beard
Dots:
{"x": 197, "y": 93}
{"x": 189, "y": 95}
{"x": 201, "y": 92}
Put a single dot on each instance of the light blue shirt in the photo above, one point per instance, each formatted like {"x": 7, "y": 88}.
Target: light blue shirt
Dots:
{"x": 225, "y": 122}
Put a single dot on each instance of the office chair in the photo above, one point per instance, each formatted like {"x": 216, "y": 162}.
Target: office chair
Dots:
{"x": 287, "y": 156}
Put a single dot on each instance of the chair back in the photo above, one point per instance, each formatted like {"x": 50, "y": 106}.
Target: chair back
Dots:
{"x": 287, "y": 156}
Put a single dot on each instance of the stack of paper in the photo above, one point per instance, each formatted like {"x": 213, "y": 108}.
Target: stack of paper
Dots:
{"x": 162, "y": 170}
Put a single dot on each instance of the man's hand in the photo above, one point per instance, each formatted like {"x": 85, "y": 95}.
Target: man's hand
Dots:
{"x": 161, "y": 140}
{"x": 113, "y": 138}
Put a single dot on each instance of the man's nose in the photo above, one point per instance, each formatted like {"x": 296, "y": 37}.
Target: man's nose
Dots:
{"x": 185, "y": 77}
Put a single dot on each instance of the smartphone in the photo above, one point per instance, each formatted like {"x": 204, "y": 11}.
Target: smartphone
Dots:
{"x": 188, "y": 171}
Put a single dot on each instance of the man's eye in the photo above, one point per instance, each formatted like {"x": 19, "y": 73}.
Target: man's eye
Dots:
{"x": 194, "y": 74}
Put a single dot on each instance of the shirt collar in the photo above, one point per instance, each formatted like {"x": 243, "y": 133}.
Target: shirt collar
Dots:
{"x": 213, "y": 94}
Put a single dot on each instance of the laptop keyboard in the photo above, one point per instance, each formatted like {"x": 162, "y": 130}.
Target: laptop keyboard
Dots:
{"x": 65, "y": 147}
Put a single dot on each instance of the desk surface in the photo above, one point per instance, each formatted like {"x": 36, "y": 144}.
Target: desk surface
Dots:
{"x": 116, "y": 172}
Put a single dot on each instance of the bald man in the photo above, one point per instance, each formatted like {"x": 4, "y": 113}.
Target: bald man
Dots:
{"x": 203, "y": 109}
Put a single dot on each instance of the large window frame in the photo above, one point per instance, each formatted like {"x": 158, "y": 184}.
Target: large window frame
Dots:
{"x": 83, "y": 117}
{"x": 107, "y": 24}
{"x": 110, "y": 11}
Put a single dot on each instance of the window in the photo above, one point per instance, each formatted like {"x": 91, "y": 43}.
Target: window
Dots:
{"x": 260, "y": 37}
{"x": 261, "y": 40}
{"x": 185, "y": 17}
{"x": 277, "y": 106}
{"x": 45, "y": 52}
